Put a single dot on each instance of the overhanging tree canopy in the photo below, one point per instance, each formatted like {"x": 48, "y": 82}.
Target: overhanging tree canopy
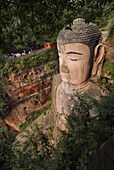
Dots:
{"x": 38, "y": 21}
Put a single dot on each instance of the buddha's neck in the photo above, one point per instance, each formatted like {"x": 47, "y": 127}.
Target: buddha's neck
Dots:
{"x": 74, "y": 89}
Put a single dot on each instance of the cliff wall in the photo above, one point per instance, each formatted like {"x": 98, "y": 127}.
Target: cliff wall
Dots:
{"x": 30, "y": 90}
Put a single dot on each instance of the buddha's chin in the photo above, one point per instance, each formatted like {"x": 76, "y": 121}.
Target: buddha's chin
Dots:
{"x": 65, "y": 80}
{"x": 69, "y": 82}
{"x": 73, "y": 83}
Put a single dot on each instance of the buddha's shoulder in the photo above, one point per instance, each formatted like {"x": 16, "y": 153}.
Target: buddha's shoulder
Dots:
{"x": 57, "y": 79}
{"x": 96, "y": 90}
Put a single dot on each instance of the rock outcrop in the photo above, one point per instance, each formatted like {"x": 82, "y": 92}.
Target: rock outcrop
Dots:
{"x": 103, "y": 159}
{"x": 30, "y": 91}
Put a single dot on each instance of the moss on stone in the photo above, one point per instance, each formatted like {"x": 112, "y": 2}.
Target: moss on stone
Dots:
{"x": 108, "y": 68}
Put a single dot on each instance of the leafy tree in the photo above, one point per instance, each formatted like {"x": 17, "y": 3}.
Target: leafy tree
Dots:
{"x": 6, "y": 152}
{"x": 35, "y": 155}
{"x": 85, "y": 135}
{"x": 24, "y": 23}
{"x": 3, "y": 82}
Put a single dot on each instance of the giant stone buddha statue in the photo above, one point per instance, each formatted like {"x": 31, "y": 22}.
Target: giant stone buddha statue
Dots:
{"x": 80, "y": 62}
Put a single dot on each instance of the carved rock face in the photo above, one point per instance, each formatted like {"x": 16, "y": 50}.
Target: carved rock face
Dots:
{"x": 74, "y": 63}
{"x": 109, "y": 51}
{"x": 80, "y": 63}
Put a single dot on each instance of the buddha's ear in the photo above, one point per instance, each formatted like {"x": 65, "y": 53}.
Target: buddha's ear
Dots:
{"x": 98, "y": 60}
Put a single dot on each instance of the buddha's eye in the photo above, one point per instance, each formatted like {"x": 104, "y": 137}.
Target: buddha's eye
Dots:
{"x": 74, "y": 59}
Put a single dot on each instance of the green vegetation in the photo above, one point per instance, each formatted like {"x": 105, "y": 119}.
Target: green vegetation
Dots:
{"x": 85, "y": 135}
{"x": 33, "y": 117}
{"x": 3, "y": 83}
{"x": 51, "y": 137}
{"x": 6, "y": 151}
{"x": 22, "y": 63}
{"x": 109, "y": 68}
{"x": 110, "y": 24}
{"x": 25, "y": 23}
{"x": 3, "y": 104}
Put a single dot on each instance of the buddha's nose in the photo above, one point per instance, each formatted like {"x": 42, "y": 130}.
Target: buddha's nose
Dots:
{"x": 64, "y": 68}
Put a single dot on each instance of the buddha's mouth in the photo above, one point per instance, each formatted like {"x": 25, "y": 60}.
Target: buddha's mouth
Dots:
{"x": 77, "y": 88}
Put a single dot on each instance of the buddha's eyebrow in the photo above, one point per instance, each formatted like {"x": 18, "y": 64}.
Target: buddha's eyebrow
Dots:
{"x": 72, "y": 52}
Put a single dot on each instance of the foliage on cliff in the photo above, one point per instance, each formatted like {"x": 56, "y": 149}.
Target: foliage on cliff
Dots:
{"x": 10, "y": 66}
{"x": 3, "y": 83}
{"x": 85, "y": 135}
{"x": 25, "y": 23}
{"x": 28, "y": 61}
{"x": 109, "y": 68}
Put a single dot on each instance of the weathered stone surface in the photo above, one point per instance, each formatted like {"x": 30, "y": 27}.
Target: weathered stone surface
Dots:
{"x": 80, "y": 32}
{"x": 104, "y": 36}
{"x": 108, "y": 148}
{"x": 56, "y": 81}
{"x": 30, "y": 91}
{"x": 81, "y": 57}
{"x": 109, "y": 51}
{"x": 94, "y": 91}
{"x": 46, "y": 125}
{"x": 103, "y": 159}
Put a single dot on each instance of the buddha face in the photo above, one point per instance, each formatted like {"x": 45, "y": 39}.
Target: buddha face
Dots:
{"x": 74, "y": 63}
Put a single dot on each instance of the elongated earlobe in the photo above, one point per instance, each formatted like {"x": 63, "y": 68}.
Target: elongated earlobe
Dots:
{"x": 98, "y": 60}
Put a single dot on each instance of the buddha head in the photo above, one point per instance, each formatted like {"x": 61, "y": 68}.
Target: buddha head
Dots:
{"x": 79, "y": 52}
